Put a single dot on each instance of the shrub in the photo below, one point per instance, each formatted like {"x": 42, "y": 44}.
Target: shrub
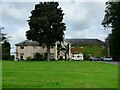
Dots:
{"x": 37, "y": 56}
{"x": 28, "y": 58}
{"x": 86, "y": 56}
{"x": 12, "y": 57}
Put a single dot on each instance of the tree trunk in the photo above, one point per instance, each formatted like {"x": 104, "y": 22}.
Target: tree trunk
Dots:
{"x": 48, "y": 53}
{"x": 65, "y": 55}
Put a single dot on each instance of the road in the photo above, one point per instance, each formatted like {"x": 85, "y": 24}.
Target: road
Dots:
{"x": 113, "y": 62}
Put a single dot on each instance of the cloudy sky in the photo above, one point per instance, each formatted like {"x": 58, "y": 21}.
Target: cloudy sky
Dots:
{"x": 82, "y": 19}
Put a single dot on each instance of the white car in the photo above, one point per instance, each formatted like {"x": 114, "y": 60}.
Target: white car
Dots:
{"x": 107, "y": 59}
{"x": 77, "y": 57}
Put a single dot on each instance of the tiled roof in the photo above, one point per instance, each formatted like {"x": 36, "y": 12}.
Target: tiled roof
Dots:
{"x": 27, "y": 43}
{"x": 72, "y": 41}
{"x": 85, "y": 41}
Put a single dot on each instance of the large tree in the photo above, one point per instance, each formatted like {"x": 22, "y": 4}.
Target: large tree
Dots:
{"x": 4, "y": 45}
{"x": 2, "y": 35}
{"x": 46, "y": 26}
{"x": 112, "y": 20}
{"x": 6, "y": 50}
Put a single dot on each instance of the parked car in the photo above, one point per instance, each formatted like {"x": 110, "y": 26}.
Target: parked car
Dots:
{"x": 95, "y": 59}
{"x": 107, "y": 59}
{"x": 102, "y": 58}
{"x": 77, "y": 57}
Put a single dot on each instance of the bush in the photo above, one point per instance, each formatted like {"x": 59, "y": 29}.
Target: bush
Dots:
{"x": 12, "y": 57}
{"x": 28, "y": 58}
{"x": 86, "y": 56}
{"x": 52, "y": 59}
{"x": 37, "y": 57}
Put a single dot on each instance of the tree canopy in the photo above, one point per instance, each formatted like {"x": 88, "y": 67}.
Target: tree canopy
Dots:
{"x": 45, "y": 23}
{"x": 112, "y": 20}
{"x": 4, "y": 46}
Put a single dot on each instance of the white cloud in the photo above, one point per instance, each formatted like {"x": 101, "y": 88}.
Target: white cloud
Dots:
{"x": 82, "y": 19}
{"x": 92, "y": 32}
{"x": 56, "y": 0}
{"x": 74, "y": 14}
{"x": 82, "y": 15}
{"x": 16, "y": 11}
{"x": 18, "y": 35}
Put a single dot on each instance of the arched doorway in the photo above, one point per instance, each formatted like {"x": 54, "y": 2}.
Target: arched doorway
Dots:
{"x": 62, "y": 54}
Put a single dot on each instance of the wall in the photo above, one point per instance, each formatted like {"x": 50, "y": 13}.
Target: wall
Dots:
{"x": 31, "y": 50}
{"x": 94, "y": 50}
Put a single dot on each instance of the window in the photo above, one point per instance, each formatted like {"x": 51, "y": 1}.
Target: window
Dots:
{"x": 52, "y": 55}
{"x": 78, "y": 56}
{"x": 52, "y": 47}
{"x": 22, "y": 47}
{"x": 43, "y": 47}
{"x": 17, "y": 53}
{"x": 21, "y": 54}
{"x": 34, "y": 47}
{"x": 21, "y": 57}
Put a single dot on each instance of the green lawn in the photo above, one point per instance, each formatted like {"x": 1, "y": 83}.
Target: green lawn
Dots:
{"x": 59, "y": 74}
{"x": 0, "y": 74}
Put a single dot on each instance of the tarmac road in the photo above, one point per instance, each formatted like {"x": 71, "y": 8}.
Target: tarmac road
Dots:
{"x": 113, "y": 62}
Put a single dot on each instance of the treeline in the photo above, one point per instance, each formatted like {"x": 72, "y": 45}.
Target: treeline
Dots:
{"x": 5, "y": 46}
{"x": 112, "y": 20}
